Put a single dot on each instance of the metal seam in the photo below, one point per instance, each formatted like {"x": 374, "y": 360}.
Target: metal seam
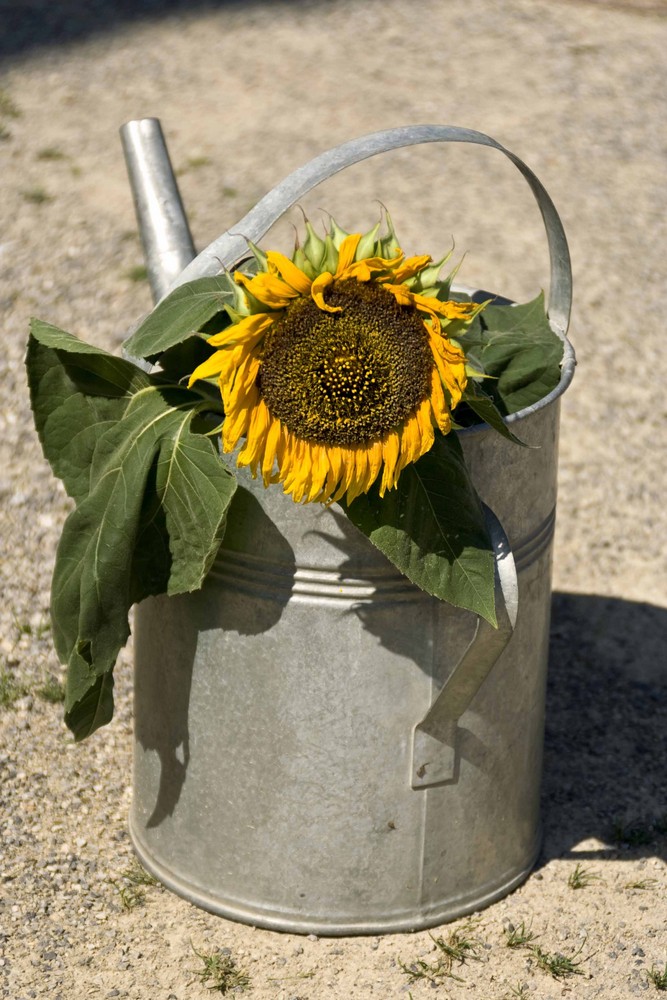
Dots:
{"x": 257, "y": 577}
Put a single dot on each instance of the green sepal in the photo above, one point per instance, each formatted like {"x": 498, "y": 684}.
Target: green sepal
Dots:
{"x": 260, "y": 263}
{"x": 367, "y": 244}
{"x": 428, "y": 282}
{"x": 303, "y": 263}
{"x": 330, "y": 258}
{"x": 336, "y": 233}
{"x": 432, "y": 528}
{"x": 388, "y": 245}
{"x": 314, "y": 248}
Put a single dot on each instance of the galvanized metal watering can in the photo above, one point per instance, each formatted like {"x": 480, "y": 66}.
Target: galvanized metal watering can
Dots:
{"x": 320, "y": 746}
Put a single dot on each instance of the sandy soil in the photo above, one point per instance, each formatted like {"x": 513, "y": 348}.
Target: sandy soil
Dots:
{"x": 246, "y": 92}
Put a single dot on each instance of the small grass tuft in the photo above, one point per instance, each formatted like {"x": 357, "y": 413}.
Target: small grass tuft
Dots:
{"x": 10, "y": 689}
{"x": 220, "y": 972}
{"x": 36, "y": 195}
{"x": 136, "y": 874}
{"x": 645, "y": 883}
{"x": 24, "y": 627}
{"x": 582, "y": 877}
{"x": 286, "y": 979}
{"x": 195, "y": 162}
{"x": 658, "y": 978}
{"x": 130, "y": 885}
{"x": 518, "y": 937}
{"x": 52, "y": 691}
{"x": 138, "y": 273}
{"x": 557, "y": 965}
{"x": 457, "y": 948}
{"x": 50, "y": 153}
{"x": 8, "y": 107}
{"x": 520, "y": 990}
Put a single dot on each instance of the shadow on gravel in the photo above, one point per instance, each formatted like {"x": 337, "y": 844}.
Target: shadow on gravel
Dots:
{"x": 32, "y": 24}
{"x": 605, "y": 766}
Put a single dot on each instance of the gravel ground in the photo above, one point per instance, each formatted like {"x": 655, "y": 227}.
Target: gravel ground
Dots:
{"x": 246, "y": 92}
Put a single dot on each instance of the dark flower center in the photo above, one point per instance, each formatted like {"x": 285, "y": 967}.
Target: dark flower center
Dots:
{"x": 349, "y": 377}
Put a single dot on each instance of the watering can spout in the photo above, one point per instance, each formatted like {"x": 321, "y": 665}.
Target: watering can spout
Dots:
{"x": 164, "y": 229}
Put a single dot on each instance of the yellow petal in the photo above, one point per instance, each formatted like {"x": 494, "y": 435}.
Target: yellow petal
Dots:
{"x": 390, "y": 452}
{"x": 296, "y": 467}
{"x": 410, "y": 267}
{"x": 282, "y": 449}
{"x": 248, "y": 330}
{"x": 320, "y": 468}
{"x": 403, "y": 295}
{"x": 289, "y": 272}
{"x": 347, "y": 472}
{"x": 321, "y": 282}
{"x": 425, "y": 422}
{"x": 268, "y": 289}
{"x": 360, "y": 475}
{"x": 212, "y": 366}
{"x": 335, "y": 460}
{"x": 439, "y": 406}
{"x": 450, "y": 362}
{"x": 235, "y": 426}
{"x": 374, "y": 461}
{"x": 447, "y": 310}
{"x": 244, "y": 381}
{"x": 255, "y": 444}
{"x": 410, "y": 443}
{"x": 270, "y": 450}
{"x": 348, "y": 248}
{"x": 367, "y": 462}
{"x": 367, "y": 268}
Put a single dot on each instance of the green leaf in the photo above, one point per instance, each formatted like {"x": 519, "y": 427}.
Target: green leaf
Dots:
{"x": 152, "y": 498}
{"x": 76, "y": 391}
{"x": 432, "y": 528}
{"x": 183, "y": 358}
{"x": 486, "y": 410}
{"x": 95, "y": 578}
{"x": 182, "y": 313}
{"x": 516, "y": 345}
{"x": 95, "y": 707}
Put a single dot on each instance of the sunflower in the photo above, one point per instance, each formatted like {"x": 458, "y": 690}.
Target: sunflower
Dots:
{"x": 338, "y": 368}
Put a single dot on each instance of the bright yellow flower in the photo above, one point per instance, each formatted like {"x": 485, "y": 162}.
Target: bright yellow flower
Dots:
{"x": 338, "y": 369}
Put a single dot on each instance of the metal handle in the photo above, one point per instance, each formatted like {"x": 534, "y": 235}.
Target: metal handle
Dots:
{"x": 229, "y": 248}
{"x": 434, "y": 738}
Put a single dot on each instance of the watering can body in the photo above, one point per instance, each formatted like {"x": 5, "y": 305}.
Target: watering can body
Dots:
{"x": 280, "y": 774}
